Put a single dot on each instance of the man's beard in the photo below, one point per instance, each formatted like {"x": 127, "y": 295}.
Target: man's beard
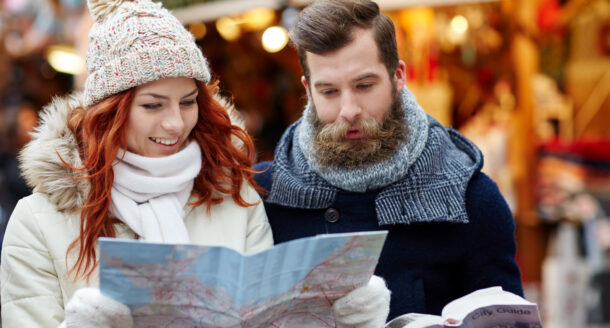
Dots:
{"x": 379, "y": 141}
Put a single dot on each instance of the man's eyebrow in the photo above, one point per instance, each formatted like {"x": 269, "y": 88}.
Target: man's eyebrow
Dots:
{"x": 366, "y": 76}
{"x": 318, "y": 84}
{"x": 321, "y": 84}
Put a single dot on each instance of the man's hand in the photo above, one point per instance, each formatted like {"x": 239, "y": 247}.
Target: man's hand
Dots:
{"x": 364, "y": 307}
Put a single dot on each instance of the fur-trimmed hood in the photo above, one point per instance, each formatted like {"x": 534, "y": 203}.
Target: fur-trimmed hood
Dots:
{"x": 52, "y": 141}
{"x": 41, "y": 159}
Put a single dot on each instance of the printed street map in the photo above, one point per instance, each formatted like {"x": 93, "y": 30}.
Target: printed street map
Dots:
{"x": 290, "y": 285}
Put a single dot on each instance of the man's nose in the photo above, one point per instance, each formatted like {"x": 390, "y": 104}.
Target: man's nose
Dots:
{"x": 350, "y": 108}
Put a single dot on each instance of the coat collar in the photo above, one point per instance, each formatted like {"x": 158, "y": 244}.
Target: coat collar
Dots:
{"x": 41, "y": 159}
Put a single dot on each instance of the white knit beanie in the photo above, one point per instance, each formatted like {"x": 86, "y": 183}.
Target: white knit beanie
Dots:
{"x": 133, "y": 42}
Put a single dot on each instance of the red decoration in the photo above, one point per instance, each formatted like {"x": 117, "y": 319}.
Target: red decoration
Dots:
{"x": 548, "y": 15}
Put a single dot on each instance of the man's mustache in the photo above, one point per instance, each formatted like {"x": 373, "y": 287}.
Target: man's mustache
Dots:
{"x": 337, "y": 131}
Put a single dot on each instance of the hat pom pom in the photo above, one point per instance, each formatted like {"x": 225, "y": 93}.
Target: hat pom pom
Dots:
{"x": 102, "y": 8}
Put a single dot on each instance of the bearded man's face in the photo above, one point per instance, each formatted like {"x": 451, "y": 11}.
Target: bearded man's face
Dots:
{"x": 356, "y": 108}
{"x": 333, "y": 146}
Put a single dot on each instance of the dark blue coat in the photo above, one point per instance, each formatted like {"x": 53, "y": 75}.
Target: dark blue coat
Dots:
{"x": 425, "y": 264}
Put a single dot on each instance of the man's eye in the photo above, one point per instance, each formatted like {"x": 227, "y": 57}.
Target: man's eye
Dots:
{"x": 328, "y": 92}
{"x": 365, "y": 86}
{"x": 187, "y": 103}
{"x": 151, "y": 106}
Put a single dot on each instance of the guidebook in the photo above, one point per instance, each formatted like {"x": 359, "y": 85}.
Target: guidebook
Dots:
{"x": 485, "y": 308}
{"x": 292, "y": 284}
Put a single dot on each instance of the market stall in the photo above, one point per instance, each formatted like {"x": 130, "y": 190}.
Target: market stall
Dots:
{"x": 527, "y": 81}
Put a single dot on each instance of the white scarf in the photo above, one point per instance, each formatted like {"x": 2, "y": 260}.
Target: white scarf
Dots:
{"x": 149, "y": 193}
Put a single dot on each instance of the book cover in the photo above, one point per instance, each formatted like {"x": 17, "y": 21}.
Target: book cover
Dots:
{"x": 484, "y": 308}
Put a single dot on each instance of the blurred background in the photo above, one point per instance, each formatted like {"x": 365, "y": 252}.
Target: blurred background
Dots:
{"x": 527, "y": 80}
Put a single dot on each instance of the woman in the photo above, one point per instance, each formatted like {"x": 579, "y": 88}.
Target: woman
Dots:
{"x": 146, "y": 152}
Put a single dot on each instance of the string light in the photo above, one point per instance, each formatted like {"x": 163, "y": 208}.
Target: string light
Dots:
{"x": 228, "y": 28}
{"x": 459, "y": 24}
{"x": 275, "y": 38}
{"x": 198, "y": 30}
{"x": 258, "y": 18}
{"x": 64, "y": 59}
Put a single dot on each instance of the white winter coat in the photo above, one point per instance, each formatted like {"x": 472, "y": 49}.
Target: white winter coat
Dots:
{"x": 34, "y": 279}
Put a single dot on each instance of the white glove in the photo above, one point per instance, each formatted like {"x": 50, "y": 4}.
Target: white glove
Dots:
{"x": 364, "y": 307}
{"x": 88, "y": 308}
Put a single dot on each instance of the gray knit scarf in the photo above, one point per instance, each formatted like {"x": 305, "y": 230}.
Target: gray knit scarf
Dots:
{"x": 433, "y": 187}
{"x": 382, "y": 173}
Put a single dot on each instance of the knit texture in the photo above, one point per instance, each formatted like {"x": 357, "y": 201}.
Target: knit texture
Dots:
{"x": 149, "y": 193}
{"x": 450, "y": 231}
{"x": 426, "y": 264}
{"x": 381, "y": 173}
{"x": 135, "y": 42}
{"x": 431, "y": 189}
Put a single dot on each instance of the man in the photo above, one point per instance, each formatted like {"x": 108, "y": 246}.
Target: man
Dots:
{"x": 365, "y": 156}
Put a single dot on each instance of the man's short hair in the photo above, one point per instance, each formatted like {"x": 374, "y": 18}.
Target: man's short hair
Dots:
{"x": 328, "y": 25}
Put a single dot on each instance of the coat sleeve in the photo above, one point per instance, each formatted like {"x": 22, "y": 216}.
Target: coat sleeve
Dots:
{"x": 259, "y": 236}
{"x": 30, "y": 292}
{"x": 490, "y": 260}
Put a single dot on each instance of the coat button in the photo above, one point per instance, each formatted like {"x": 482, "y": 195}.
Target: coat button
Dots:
{"x": 331, "y": 215}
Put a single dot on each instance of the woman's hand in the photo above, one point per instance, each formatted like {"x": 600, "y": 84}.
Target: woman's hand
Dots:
{"x": 88, "y": 308}
{"x": 364, "y": 307}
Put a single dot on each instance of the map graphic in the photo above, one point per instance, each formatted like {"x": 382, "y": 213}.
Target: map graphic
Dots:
{"x": 291, "y": 285}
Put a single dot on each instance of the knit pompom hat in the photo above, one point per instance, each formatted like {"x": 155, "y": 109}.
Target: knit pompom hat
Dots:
{"x": 133, "y": 42}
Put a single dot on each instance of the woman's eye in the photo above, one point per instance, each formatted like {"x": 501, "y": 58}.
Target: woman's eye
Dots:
{"x": 151, "y": 106}
{"x": 187, "y": 103}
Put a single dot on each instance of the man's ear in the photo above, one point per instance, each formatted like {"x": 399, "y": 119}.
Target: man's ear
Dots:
{"x": 305, "y": 85}
{"x": 400, "y": 75}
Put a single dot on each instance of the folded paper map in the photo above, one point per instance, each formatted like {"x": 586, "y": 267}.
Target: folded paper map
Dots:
{"x": 292, "y": 284}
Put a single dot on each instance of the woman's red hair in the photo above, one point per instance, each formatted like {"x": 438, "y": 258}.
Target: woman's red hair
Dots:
{"x": 227, "y": 158}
